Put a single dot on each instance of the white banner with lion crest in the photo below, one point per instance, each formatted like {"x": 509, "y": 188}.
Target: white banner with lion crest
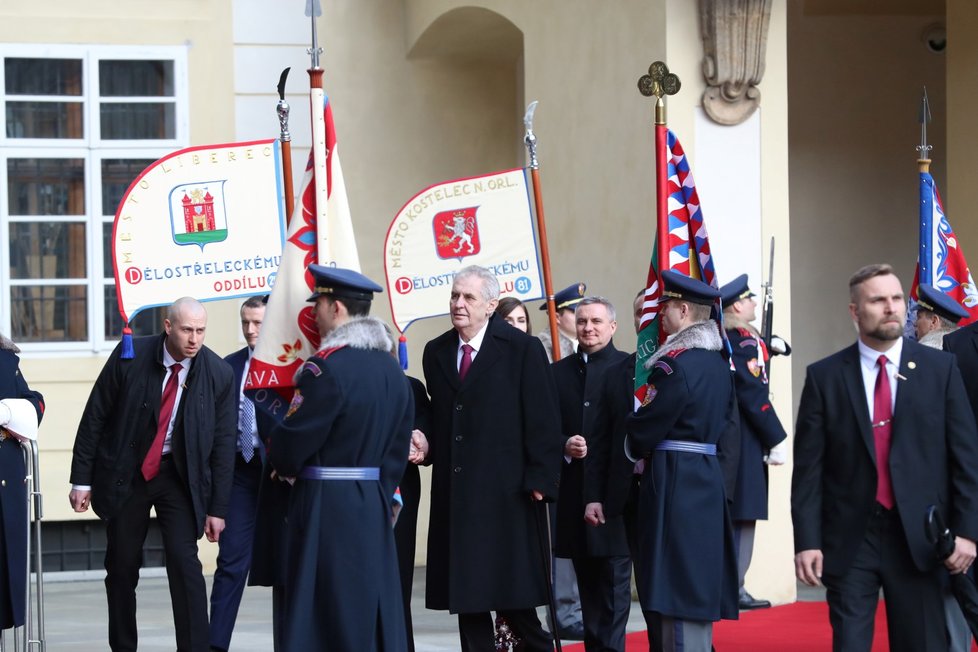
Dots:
{"x": 483, "y": 220}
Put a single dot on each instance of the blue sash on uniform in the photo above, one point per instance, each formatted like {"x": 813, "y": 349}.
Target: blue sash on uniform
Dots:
{"x": 686, "y": 447}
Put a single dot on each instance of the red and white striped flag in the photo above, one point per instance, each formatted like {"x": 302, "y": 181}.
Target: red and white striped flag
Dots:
{"x": 317, "y": 234}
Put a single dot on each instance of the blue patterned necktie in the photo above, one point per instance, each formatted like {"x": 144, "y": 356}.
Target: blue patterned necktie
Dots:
{"x": 246, "y": 427}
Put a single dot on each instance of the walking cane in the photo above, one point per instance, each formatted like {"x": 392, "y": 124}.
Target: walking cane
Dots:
{"x": 546, "y": 552}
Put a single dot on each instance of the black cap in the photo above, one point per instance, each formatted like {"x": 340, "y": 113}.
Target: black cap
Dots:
{"x": 569, "y": 297}
{"x": 341, "y": 283}
{"x": 735, "y": 290}
{"x": 930, "y": 298}
{"x": 680, "y": 286}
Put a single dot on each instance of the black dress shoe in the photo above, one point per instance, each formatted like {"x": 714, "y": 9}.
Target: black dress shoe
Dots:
{"x": 747, "y": 601}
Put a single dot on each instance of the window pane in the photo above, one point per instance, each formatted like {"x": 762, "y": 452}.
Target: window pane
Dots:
{"x": 117, "y": 174}
{"x": 107, "y": 250}
{"x": 46, "y": 186}
{"x": 49, "y": 313}
{"x": 146, "y": 322}
{"x": 43, "y": 76}
{"x": 47, "y": 250}
{"x": 128, "y": 121}
{"x": 45, "y": 120}
{"x": 135, "y": 78}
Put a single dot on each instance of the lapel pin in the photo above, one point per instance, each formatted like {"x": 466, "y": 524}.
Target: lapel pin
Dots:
{"x": 900, "y": 376}
{"x": 911, "y": 365}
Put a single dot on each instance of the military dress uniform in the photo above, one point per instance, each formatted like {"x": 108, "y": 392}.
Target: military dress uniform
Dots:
{"x": 687, "y": 429}
{"x": 760, "y": 431}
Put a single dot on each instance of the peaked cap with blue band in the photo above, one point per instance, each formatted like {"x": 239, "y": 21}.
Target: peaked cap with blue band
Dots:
{"x": 341, "y": 283}
{"x": 930, "y": 298}
{"x": 735, "y": 290}
{"x": 679, "y": 286}
{"x": 569, "y": 297}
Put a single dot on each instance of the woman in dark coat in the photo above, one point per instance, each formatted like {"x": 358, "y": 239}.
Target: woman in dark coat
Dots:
{"x": 17, "y": 405}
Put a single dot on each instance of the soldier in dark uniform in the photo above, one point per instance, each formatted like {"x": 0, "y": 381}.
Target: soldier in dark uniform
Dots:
{"x": 345, "y": 439}
{"x": 937, "y": 315}
{"x": 687, "y": 560}
{"x": 20, "y": 411}
{"x": 761, "y": 431}
{"x": 599, "y": 551}
{"x": 565, "y": 302}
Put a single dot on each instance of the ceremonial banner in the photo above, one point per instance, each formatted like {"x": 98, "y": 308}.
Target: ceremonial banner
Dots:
{"x": 483, "y": 221}
{"x": 205, "y": 222}
{"x": 322, "y": 235}
{"x": 689, "y": 254}
{"x": 940, "y": 262}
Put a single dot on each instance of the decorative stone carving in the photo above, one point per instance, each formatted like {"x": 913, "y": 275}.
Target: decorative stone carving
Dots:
{"x": 734, "y": 45}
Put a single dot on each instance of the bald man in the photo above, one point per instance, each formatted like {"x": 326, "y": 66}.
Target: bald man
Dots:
{"x": 159, "y": 432}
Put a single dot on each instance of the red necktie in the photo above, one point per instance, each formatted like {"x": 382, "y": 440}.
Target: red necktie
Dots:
{"x": 151, "y": 464}
{"x": 882, "y": 428}
{"x": 463, "y": 367}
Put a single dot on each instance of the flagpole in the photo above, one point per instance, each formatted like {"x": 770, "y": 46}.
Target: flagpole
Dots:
{"x": 286, "y": 139}
{"x": 530, "y": 140}
{"x": 659, "y": 82}
{"x": 923, "y": 167}
{"x": 316, "y": 108}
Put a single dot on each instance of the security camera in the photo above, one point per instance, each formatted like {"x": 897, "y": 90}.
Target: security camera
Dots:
{"x": 935, "y": 38}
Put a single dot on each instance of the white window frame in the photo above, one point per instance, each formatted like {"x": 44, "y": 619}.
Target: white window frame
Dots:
{"x": 92, "y": 149}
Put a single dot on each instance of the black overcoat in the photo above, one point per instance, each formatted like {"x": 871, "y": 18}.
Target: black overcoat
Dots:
{"x": 687, "y": 564}
{"x": 119, "y": 424}
{"x": 495, "y": 437}
{"x": 933, "y": 455}
{"x": 579, "y": 386}
{"x": 13, "y": 499}
{"x": 608, "y": 475}
{"x": 760, "y": 428}
{"x": 351, "y": 408}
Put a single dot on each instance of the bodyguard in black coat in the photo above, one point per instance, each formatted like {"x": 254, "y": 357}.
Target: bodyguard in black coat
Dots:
{"x": 495, "y": 446}
{"x": 853, "y": 531}
{"x": 595, "y": 543}
{"x": 963, "y": 343}
{"x": 13, "y": 497}
{"x": 191, "y": 487}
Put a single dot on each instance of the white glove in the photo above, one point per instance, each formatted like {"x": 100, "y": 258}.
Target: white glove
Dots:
{"x": 777, "y": 455}
{"x": 4, "y": 414}
{"x": 22, "y": 421}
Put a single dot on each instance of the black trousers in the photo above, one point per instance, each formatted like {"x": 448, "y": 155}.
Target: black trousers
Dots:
{"x": 478, "y": 633}
{"x": 606, "y": 599}
{"x": 126, "y": 534}
{"x": 914, "y": 602}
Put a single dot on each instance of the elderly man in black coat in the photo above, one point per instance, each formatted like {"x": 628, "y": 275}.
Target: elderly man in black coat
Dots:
{"x": 495, "y": 445}
{"x": 597, "y": 545}
{"x": 159, "y": 431}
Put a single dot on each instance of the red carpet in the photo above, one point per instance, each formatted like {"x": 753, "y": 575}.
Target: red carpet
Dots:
{"x": 800, "y": 627}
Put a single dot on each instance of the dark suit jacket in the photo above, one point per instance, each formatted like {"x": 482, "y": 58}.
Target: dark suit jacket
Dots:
{"x": 494, "y": 438}
{"x": 579, "y": 388}
{"x": 608, "y": 476}
{"x": 263, "y": 420}
{"x": 119, "y": 424}
{"x": 963, "y": 343}
{"x": 933, "y": 455}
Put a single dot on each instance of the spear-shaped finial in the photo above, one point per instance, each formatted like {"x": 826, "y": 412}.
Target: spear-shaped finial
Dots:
{"x": 314, "y": 10}
{"x": 924, "y": 118}
{"x": 659, "y": 82}
{"x": 530, "y": 139}
{"x": 283, "y": 107}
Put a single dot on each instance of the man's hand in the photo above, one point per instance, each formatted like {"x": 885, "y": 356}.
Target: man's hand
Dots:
{"x": 213, "y": 527}
{"x": 962, "y": 557}
{"x": 808, "y": 567}
{"x": 594, "y": 514}
{"x": 777, "y": 455}
{"x": 536, "y": 495}
{"x": 575, "y": 447}
{"x": 419, "y": 447}
{"x": 80, "y": 500}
